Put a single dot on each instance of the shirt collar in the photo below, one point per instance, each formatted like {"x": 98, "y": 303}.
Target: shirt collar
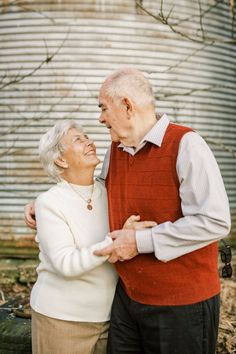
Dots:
{"x": 154, "y": 136}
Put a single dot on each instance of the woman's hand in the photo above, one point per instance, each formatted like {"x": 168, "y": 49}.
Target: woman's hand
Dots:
{"x": 134, "y": 223}
{"x": 29, "y": 215}
{"x": 124, "y": 246}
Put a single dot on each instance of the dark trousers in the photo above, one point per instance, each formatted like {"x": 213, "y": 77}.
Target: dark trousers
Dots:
{"x": 146, "y": 329}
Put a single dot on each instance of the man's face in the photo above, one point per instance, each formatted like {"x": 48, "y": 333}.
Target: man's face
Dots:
{"x": 114, "y": 116}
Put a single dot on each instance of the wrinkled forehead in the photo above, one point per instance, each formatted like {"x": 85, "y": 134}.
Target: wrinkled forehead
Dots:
{"x": 71, "y": 134}
{"x": 103, "y": 100}
{"x": 102, "y": 95}
{"x": 104, "y": 88}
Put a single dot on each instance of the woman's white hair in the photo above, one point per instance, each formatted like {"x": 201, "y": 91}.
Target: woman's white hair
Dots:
{"x": 131, "y": 83}
{"x": 50, "y": 147}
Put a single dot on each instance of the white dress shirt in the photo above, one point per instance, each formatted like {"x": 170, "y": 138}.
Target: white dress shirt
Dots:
{"x": 204, "y": 202}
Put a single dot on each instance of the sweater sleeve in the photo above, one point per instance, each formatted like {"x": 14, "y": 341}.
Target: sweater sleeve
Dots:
{"x": 57, "y": 244}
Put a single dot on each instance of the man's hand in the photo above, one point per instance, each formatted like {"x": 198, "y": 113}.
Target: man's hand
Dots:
{"x": 29, "y": 215}
{"x": 134, "y": 223}
{"x": 123, "y": 248}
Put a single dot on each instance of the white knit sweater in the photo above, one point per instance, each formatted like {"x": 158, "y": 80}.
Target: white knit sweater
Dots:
{"x": 73, "y": 284}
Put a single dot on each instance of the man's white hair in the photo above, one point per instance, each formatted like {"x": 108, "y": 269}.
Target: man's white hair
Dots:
{"x": 50, "y": 147}
{"x": 131, "y": 83}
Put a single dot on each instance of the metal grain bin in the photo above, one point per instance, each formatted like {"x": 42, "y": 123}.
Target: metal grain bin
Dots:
{"x": 54, "y": 56}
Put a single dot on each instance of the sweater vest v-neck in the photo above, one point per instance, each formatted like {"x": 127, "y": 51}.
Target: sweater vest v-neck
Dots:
{"x": 147, "y": 184}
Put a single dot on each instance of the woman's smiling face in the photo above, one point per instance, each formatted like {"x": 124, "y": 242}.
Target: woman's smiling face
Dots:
{"x": 78, "y": 150}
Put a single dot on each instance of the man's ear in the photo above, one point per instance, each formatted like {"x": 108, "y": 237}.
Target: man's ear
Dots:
{"x": 61, "y": 162}
{"x": 129, "y": 105}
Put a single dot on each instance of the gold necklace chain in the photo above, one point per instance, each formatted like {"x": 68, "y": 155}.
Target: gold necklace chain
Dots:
{"x": 88, "y": 201}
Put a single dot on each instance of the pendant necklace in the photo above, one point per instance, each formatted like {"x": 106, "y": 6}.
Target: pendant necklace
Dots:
{"x": 88, "y": 201}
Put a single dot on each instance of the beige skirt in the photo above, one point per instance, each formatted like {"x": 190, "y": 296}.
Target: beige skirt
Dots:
{"x": 52, "y": 336}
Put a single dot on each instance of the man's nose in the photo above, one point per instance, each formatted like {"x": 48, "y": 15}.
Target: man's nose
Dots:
{"x": 101, "y": 119}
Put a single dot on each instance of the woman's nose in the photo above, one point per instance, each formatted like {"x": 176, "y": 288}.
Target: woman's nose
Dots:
{"x": 89, "y": 142}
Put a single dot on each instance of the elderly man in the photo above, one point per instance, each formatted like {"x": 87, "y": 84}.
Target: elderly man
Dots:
{"x": 167, "y": 299}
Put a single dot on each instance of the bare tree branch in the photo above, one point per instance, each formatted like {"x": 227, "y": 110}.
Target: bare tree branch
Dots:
{"x": 201, "y": 19}
{"x": 232, "y": 12}
{"x": 231, "y": 3}
{"x": 186, "y": 58}
{"x": 18, "y": 78}
{"x": 217, "y": 143}
{"x": 209, "y": 9}
{"x": 27, "y": 8}
{"x": 160, "y": 95}
{"x": 220, "y": 145}
{"x": 165, "y": 20}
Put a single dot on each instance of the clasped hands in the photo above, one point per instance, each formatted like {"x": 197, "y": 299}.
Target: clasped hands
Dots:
{"x": 124, "y": 246}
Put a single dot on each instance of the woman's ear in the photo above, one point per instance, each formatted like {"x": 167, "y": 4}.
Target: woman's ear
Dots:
{"x": 61, "y": 162}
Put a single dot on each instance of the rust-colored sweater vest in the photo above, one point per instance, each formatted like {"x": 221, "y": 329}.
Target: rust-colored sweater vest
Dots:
{"x": 147, "y": 184}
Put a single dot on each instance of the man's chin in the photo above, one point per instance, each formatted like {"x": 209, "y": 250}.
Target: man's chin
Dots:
{"x": 114, "y": 137}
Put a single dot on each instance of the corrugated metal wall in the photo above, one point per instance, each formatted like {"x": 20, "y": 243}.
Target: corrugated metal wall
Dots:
{"x": 54, "y": 56}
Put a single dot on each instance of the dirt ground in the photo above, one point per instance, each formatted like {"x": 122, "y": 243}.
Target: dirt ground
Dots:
{"x": 227, "y": 329}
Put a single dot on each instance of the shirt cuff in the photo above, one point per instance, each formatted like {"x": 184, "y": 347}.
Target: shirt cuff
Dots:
{"x": 144, "y": 241}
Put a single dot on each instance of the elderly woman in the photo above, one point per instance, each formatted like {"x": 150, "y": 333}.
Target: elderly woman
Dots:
{"x": 72, "y": 296}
